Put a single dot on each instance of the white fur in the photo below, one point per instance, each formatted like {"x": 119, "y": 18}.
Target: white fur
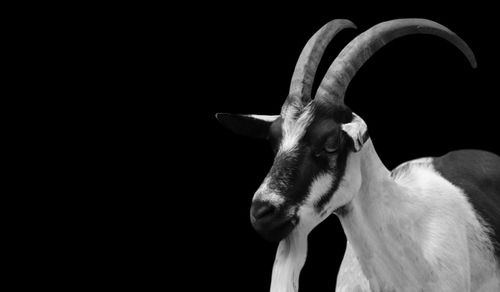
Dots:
{"x": 343, "y": 195}
{"x": 290, "y": 258}
{"x": 415, "y": 233}
{"x": 307, "y": 213}
{"x": 266, "y": 118}
{"x": 293, "y": 130}
{"x": 320, "y": 186}
{"x": 356, "y": 129}
{"x": 412, "y": 232}
{"x": 350, "y": 276}
{"x": 409, "y": 231}
{"x": 267, "y": 195}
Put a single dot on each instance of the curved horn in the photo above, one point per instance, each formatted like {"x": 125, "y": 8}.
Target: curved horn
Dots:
{"x": 359, "y": 50}
{"x": 305, "y": 69}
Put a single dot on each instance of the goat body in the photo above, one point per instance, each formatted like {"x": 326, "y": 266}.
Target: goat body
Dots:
{"x": 427, "y": 226}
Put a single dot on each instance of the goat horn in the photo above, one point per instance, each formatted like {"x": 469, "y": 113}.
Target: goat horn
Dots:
{"x": 305, "y": 69}
{"x": 359, "y": 50}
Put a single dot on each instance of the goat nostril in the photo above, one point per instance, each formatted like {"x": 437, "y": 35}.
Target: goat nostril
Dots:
{"x": 261, "y": 210}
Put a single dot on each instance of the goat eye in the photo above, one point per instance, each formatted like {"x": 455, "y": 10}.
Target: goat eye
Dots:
{"x": 331, "y": 145}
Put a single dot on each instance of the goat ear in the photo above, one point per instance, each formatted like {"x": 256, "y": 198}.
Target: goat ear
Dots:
{"x": 357, "y": 131}
{"x": 256, "y": 126}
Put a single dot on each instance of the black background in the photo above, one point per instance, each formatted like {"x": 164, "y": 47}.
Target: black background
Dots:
{"x": 184, "y": 211}
{"x": 418, "y": 95}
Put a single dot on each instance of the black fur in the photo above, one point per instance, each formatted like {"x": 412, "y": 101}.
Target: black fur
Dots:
{"x": 477, "y": 173}
{"x": 293, "y": 173}
{"x": 338, "y": 171}
{"x": 341, "y": 114}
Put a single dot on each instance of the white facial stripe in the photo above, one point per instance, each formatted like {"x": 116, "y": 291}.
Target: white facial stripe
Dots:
{"x": 271, "y": 197}
{"x": 320, "y": 186}
{"x": 309, "y": 216}
{"x": 293, "y": 130}
{"x": 267, "y": 195}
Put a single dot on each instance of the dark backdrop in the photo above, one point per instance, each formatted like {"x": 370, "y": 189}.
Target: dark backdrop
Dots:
{"x": 188, "y": 216}
{"x": 418, "y": 95}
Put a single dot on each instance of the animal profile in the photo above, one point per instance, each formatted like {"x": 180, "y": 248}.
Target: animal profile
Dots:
{"x": 432, "y": 224}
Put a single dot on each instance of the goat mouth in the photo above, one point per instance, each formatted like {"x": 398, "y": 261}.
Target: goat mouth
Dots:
{"x": 276, "y": 231}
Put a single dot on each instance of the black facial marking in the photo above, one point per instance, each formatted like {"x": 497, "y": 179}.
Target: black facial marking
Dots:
{"x": 323, "y": 148}
{"x": 327, "y": 123}
{"x": 338, "y": 171}
{"x": 292, "y": 172}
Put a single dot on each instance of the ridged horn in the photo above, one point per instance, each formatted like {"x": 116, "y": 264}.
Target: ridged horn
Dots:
{"x": 305, "y": 69}
{"x": 360, "y": 49}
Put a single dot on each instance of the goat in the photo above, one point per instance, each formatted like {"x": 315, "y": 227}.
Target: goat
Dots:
{"x": 429, "y": 225}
